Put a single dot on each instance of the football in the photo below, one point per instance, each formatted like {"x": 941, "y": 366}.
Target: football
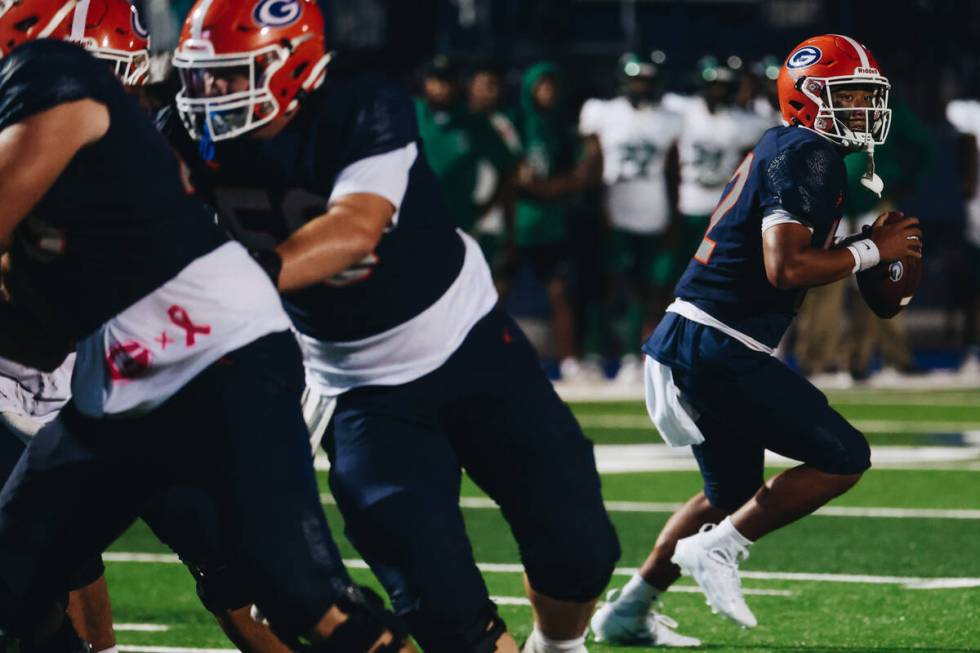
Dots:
{"x": 888, "y": 287}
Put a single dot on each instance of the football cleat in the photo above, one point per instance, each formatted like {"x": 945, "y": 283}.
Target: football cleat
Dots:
{"x": 630, "y": 372}
{"x": 714, "y": 567}
{"x": 632, "y": 623}
{"x": 586, "y": 371}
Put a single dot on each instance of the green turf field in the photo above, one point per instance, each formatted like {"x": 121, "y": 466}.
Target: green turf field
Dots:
{"x": 894, "y": 565}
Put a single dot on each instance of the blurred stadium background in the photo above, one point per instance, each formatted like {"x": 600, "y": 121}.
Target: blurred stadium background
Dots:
{"x": 927, "y": 48}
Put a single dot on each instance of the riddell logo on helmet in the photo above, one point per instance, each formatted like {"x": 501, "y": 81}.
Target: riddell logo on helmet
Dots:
{"x": 805, "y": 56}
{"x": 867, "y": 71}
{"x": 277, "y": 13}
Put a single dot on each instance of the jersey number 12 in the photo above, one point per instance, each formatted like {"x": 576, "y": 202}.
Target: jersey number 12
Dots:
{"x": 728, "y": 200}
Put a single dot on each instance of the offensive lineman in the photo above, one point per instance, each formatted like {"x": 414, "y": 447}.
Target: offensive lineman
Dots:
{"x": 712, "y": 379}
{"x": 397, "y": 320}
{"x": 111, "y": 258}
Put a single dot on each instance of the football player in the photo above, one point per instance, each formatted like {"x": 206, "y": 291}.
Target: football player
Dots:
{"x": 29, "y": 399}
{"x": 716, "y": 136}
{"x": 396, "y": 315}
{"x": 182, "y": 346}
{"x": 636, "y": 139}
{"x": 712, "y": 379}
{"x": 964, "y": 115}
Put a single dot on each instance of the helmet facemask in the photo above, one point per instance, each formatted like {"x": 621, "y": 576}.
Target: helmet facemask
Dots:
{"x": 131, "y": 68}
{"x": 834, "y": 122}
{"x": 247, "y": 102}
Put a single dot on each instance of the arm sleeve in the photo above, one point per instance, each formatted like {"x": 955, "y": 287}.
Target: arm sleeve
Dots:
{"x": 385, "y": 122}
{"x": 382, "y": 149}
{"x": 804, "y": 184}
{"x": 383, "y": 174}
{"x": 962, "y": 114}
{"x": 588, "y": 120}
{"x": 43, "y": 74}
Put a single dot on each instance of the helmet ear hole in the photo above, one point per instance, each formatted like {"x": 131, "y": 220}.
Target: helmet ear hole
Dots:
{"x": 26, "y": 24}
{"x": 796, "y": 104}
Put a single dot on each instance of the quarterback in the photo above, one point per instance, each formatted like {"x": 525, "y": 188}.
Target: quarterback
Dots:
{"x": 712, "y": 380}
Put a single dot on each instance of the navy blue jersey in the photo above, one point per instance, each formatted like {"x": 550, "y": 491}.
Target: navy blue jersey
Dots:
{"x": 116, "y": 224}
{"x": 264, "y": 190}
{"x": 792, "y": 173}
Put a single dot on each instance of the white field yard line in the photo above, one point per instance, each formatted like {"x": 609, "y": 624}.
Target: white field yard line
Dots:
{"x": 479, "y": 503}
{"x": 910, "y": 582}
{"x": 630, "y": 458}
{"x": 686, "y": 589}
{"x": 948, "y": 392}
{"x": 642, "y": 422}
{"x": 141, "y": 628}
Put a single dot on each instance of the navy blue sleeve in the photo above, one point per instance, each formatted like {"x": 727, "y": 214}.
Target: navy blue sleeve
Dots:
{"x": 384, "y": 122}
{"x": 807, "y": 182}
{"x": 42, "y": 74}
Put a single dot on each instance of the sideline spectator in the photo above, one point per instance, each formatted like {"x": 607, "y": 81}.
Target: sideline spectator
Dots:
{"x": 634, "y": 141}
{"x": 494, "y": 229}
{"x": 549, "y": 176}
{"x": 457, "y": 141}
{"x": 717, "y": 135}
{"x": 964, "y": 115}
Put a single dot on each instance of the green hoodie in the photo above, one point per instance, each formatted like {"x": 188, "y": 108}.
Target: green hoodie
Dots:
{"x": 455, "y": 141}
{"x": 550, "y": 149}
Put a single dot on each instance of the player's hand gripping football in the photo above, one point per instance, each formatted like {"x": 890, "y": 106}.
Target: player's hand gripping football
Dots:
{"x": 897, "y": 239}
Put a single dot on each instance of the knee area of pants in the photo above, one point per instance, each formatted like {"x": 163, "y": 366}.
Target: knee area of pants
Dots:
{"x": 220, "y": 589}
{"x": 480, "y": 635}
{"x": 851, "y": 454}
{"x": 87, "y": 574}
{"x": 731, "y": 499}
{"x": 578, "y": 572}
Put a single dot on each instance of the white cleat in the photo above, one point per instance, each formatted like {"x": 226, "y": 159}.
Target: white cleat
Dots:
{"x": 586, "y": 371}
{"x": 631, "y": 624}
{"x": 715, "y": 569}
{"x": 630, "y": 371}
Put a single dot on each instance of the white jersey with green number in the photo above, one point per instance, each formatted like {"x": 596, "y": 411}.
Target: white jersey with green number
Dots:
{"x": 964, "y": 115}
{"x": 711, "y": 147}
{"x": 634, "y": 145}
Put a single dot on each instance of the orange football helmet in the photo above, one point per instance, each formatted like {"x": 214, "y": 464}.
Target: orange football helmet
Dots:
{"x": 817, "y": 67}
{"x": 111, "y": 30}
{"x": 243, "y": 63}
{"x": 26, "y": 20}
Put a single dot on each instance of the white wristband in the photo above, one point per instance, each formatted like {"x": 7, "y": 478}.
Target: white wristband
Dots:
{"x": 865, "y": 254}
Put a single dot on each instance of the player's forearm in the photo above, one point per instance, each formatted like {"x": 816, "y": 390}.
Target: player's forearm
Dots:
{"x": 344, "y": 236}
{"x": 809, "y": 268}
{"x": 320, "y": 250}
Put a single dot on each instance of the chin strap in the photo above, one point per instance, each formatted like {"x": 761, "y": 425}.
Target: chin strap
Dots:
{"x": 870, "y": 180}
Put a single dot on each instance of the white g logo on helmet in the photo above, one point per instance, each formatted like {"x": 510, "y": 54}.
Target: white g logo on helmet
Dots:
{"x": 277, "y": 13}
{"x": 141, "y": 31}
{"x": 806, "y": 56}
